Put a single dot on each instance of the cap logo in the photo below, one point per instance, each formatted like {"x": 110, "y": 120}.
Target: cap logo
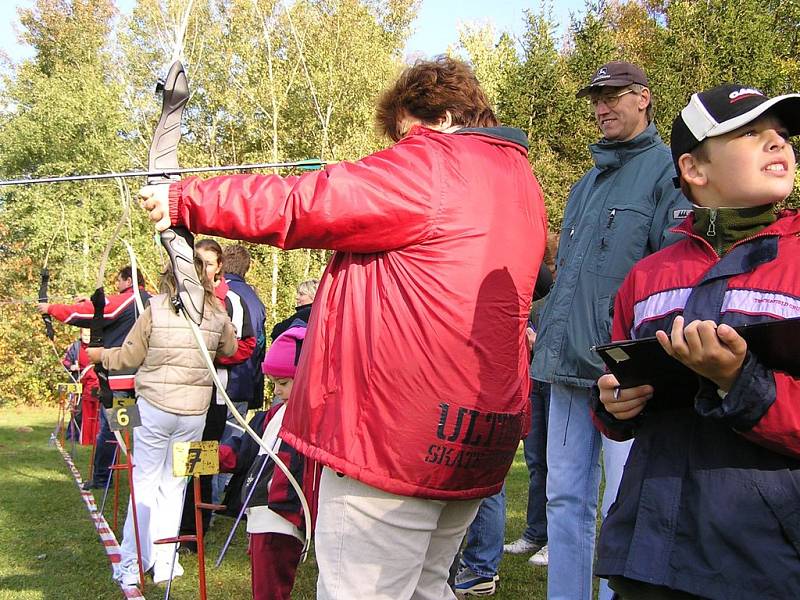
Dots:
{"x": 743, "y": 93}
{"x": 601, "y": 74}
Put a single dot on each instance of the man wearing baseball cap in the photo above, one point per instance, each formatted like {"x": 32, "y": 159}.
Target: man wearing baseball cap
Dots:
{"x": 619, "y": 212}
{"x": 709, "y": 499}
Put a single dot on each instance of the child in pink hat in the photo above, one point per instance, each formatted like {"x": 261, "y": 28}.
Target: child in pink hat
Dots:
{"x": 274, "y": 516}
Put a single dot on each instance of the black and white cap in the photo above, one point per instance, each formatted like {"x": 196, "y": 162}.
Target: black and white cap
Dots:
{"x": 723, "y": 109}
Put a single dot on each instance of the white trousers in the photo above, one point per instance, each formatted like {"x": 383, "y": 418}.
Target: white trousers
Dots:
{"x": 373, "y": 545}
{"x": 159, "y": 495}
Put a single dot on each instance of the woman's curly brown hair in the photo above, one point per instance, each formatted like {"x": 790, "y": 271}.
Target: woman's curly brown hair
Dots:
{"x": 428, "y": 90}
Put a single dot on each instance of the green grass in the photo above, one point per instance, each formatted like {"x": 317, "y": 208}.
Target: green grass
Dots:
{"x": 49, "y": 549}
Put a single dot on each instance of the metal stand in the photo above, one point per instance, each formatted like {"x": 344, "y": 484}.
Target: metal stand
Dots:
{"x": 128, "y": 466}
{"x": 199, "y": 507}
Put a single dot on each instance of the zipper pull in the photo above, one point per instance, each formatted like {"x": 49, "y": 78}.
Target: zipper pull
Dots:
{"x": 571, "y": 231}
{"x": 712, "y": 222}
{"x": 611, "y": 214}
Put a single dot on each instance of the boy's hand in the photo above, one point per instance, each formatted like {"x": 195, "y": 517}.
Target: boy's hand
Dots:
{"x": 715, "y": 352}
{"x": 623, "y": 404}
{"x": 530, "y": 338}
{"x": 43, "y": 307}
{"x": 155, "y": 200}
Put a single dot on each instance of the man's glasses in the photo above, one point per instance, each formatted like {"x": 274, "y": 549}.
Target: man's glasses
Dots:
{"x": 610, "y": 100}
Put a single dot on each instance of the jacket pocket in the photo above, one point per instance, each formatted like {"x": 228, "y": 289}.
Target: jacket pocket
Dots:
{"x": 620, "y": 240}
{"x": 784, "y": 502}
{"x": 602, "y": 319}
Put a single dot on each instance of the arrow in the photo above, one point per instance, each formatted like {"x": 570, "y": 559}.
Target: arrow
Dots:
{"x": 169, "y": 172}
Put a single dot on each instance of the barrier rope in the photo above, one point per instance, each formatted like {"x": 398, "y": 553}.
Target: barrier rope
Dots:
{"x": 107, "y": 537}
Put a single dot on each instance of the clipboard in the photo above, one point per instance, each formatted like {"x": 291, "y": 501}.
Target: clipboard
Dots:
{"x": 639, "y": 362}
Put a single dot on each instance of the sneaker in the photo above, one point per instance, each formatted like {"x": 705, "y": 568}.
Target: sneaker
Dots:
{"x": 187, "y": 548}
{"x": 91, "y": 485}
{"x": 541, "y": 558}
{"x": 469, "y": 584}
{"x": 127, "y": 576}
{"x": 161, "y": 571}
{"x": 522, "y": 546}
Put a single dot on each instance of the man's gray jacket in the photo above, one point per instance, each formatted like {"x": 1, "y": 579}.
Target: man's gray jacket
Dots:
{"x": 619, "y": 212}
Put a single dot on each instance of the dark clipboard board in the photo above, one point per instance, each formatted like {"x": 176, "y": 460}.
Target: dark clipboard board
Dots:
{"x": 639, "y": 362}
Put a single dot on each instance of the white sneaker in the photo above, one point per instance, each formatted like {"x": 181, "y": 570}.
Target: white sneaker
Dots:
{"x": 541, "y": 558}
{"x": 521, "y": 546}
{"x": 127, "y": 576}
{"x": 161, "y": 571}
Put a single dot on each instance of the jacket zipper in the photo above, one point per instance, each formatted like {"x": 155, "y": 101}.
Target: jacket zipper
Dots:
{"x": 712, "y": 222}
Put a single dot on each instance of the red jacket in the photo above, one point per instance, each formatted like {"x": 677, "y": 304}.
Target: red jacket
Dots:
{"x": 413, "y": 377}
{"x": 119, "y": 315}
{"x": 708, "y": 503}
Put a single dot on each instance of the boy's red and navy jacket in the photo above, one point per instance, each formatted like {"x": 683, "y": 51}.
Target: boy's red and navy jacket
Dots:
{"x": 242, "y": 458}
{"x": 710, "y": 498}
{"x": 118, "y": 318}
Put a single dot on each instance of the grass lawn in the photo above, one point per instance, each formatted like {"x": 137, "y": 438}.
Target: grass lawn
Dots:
{"x": 49, "y": 548}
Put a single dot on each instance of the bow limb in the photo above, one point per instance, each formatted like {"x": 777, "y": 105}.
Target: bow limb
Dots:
{"x": 125, "y": 200}
{"x": 96, "y": 327}
{"x": 44, "y": 282}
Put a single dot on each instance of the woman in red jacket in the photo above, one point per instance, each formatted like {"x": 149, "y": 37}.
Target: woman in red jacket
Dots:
{"x": 412, "y": 388}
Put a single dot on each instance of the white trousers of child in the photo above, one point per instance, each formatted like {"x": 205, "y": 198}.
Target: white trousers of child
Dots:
{"x": 159, "y": 494}
{"x": 373, "y": 545}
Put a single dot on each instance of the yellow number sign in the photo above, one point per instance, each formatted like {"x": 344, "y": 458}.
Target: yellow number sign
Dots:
{"x": 69, "y": 388}
{"x": 195, "y": 458}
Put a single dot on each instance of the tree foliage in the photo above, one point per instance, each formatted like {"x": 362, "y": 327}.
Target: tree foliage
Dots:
{"x": 273, "y": 80}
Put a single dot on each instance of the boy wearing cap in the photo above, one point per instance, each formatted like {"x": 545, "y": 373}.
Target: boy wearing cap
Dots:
{"x": 274, "y": 515}
{"x": 620, "y": 211}
{"x": 708, "y": 503}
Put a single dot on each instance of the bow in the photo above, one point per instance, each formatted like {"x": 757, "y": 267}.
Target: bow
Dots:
{"x": 48, "y": 320}
{"x": 43, "y": 296}
{"x": 179, "y": 244}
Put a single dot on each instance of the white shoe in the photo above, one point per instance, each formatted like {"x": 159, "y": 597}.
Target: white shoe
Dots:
{"x": 161, "y": 571}
{"x": 127, "y": 576}
{"x": 541, "y": 558}
{"x": 521, "y": 546}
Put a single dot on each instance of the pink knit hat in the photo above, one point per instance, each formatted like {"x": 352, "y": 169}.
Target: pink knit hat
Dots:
{"x": 284, "y": 353}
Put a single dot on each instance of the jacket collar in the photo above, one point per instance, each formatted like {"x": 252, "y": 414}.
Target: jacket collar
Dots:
{"x": 508, "y": 134}
{"x": 787, "y": 223}
{"x": 612, "y": 154}
{"x": 505, "y": 135}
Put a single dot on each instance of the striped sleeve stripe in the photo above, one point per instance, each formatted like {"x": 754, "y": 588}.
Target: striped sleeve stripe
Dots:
{"x": 107, "y": 315}
{"x": 757, "y": 302}
{"x": 237, "y": 318}
{"x": 659, "y": 305}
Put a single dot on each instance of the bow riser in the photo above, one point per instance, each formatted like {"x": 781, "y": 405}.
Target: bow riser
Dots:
{"x": 48, "y": 320}
{"x": 178, "y": 241}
